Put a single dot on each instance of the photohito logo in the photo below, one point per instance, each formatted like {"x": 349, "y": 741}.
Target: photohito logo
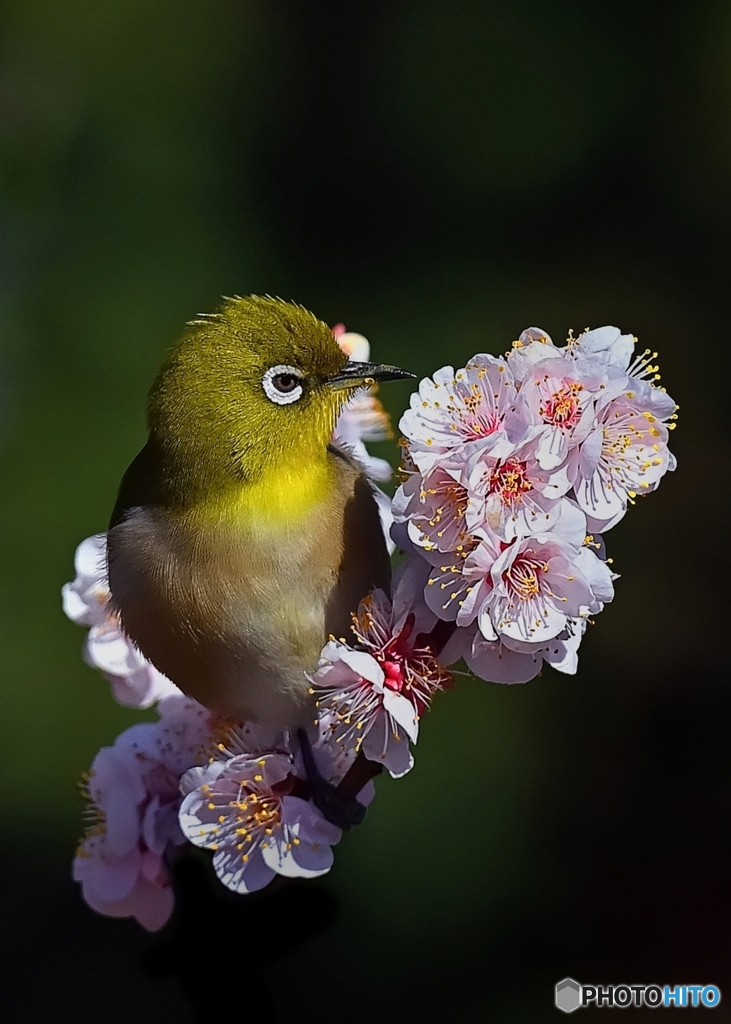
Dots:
{"x": 570, "y": 995}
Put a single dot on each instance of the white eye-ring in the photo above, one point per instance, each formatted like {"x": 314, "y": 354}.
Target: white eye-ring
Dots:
{"x": 282, "y": 384}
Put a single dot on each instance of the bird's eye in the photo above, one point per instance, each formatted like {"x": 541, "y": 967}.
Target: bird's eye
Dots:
{"x": 282, "y": 384}
{"x": 285, "y": 382}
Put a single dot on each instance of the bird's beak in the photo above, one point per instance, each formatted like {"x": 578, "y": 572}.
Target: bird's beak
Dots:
{"x": 355, "y": 375}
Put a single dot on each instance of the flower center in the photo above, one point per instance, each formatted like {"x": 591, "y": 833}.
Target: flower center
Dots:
{"x": 394, "y": 674}
{"x": 561, "y": 408}
{"x": 509, "y": 482}
{"x": 523, "y": 577}
{"x": 256, "y": 814}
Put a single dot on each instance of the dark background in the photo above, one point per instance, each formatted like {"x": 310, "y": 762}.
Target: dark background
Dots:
{"x": 439, "y": 175}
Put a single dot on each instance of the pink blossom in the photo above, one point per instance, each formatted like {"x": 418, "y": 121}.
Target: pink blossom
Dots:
{"x": 625, "y": 454}
{"x": 371, "y": 699}
{"x": 434, "y": 506}
{"x": 499, "y": 495}
{"x": 560, "y": 398}
{"x": 243, "y": 809}
{"x": 603, "y": 346}
{"x": 515, "y": 495}
{"x": 458, "y": 413}
{"x": 524, "y": 590}
{"x": 133, "y": 795}
{"x": 364, "y": 419}
{"x": 498, "y": 662}
{"x": 560, "y": 386}
{"x": 338, "y": 331}
{"x": 360, "y": 712}
{"x": 585, "y": 401}
{"x": 459, "y": 584}
{"x": 539, "y": 584}
{"x": 533, "y": 346}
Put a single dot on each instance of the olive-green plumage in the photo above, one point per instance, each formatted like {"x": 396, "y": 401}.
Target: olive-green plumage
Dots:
{"x": 241, "y": 538}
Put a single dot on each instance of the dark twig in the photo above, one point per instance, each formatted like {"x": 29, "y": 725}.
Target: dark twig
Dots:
{"x": 339, "y": 807}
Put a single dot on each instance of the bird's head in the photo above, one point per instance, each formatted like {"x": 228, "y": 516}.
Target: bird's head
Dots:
{"x": 258, "y": 383}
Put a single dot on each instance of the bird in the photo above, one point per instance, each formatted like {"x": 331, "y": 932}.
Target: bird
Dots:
{"x": 242, "y": 538}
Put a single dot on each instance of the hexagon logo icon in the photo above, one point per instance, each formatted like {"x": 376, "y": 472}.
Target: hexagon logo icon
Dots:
{"x": 568, "y": 995}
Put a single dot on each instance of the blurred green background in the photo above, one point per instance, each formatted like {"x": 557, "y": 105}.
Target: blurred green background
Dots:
{"x": 438, "y": 175}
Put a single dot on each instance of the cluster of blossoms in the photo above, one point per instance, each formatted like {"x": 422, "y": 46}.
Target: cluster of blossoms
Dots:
{"x": 512, "y": 467}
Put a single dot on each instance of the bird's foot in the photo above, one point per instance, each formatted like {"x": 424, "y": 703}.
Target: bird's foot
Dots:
{"x": 343, "y": 810}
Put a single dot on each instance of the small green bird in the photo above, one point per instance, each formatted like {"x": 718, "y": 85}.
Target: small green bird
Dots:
{"x": 242, "y": 537}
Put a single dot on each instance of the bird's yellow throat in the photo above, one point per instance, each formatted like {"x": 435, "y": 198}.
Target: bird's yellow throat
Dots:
{"x": 285, "y": 495}
{"x": 282, "y": 496}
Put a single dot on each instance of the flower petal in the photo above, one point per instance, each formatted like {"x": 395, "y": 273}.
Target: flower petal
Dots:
{"x": 239, "y": 875}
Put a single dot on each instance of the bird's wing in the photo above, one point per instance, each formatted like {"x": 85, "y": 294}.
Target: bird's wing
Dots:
{"x": 365, "y": 562}
{"x": 140, "y": 486}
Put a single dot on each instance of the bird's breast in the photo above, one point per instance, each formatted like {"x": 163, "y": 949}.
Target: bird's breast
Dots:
{"x": 234, "y": 604}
